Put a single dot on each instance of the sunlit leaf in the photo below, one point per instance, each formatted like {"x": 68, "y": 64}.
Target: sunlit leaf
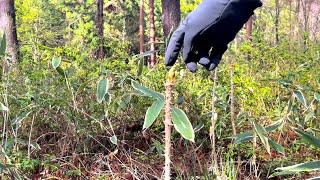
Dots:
{"x": 300, "y": 97}
{"x": 314, "y": 178}
{"x": 114, "y": 139}
{"x": 262, "y": 135}
{"x": 146, "y": 91}
{"x": 102, "y": 88}
{"x": 317, "y": 96}
{"x": 3, "y": 107}
{"x": 152, "y": 113}
{"x": 182, "y": 124}
{"x": 308, "y": 166}
{"x": 56, "y": 62}
{"x": 140, "y": 66}
{"x": 308, "y": 137}
{"x": 309, "y": 116}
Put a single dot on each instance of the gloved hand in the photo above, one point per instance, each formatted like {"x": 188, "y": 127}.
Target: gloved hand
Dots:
{"x": 208, "y": 29}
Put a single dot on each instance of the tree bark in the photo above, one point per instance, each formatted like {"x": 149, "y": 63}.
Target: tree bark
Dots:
{"x": 152, "y": 33}
{"x": 171, "y": 15}
{"x": 8, "y": 25}
{"x": 249, "y": 28}
{"x": 141, "y": 26}
{"x": 100, "y": 28}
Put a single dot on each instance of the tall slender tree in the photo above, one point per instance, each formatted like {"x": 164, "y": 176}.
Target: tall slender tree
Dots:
{"x": 171, "y": 15}
{"x": 152, "y": 33}
{"x": 277, "y": 19}
{"x": 100, "y": 29}
{"x": 8, "y": 25}
{"x": 141, "y": 30}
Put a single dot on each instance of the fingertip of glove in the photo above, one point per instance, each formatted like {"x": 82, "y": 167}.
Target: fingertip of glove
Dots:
{"x": 204, "y": 61}
{"x": 192, "y": 66}
{"x": 211, "y": 66}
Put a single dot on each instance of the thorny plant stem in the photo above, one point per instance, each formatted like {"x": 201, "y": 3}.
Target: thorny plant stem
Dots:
{"x": 168, "y": 123}
{"x": 214, "y": 117}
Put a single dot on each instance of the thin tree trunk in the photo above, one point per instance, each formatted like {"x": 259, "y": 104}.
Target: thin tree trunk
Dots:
{"x": 152, "y": 33}
{"x": 8, "y": 25}
{"x": 100, "y": 28}
{"x": 168, "y": 123}
{"x": 141, "y": 26}
{"x": 249, "y": 33}
{"x": 232, "y": 101}
{"x": 214, "y": 117}
{"x": 276, "y": 23}
{"x": 171, "y": 15}
{"x": 249, "y": 28}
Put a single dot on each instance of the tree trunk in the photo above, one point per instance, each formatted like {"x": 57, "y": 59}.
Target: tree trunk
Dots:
{"x": 249, "y": 28}
{"x": 152, "y": 33}
{"x": 171, "y": 15}
{"x": 141, "y": 26}
{"x": 100, "y": 28}
{"x": 276, "y": 23}
{"x": 8, "y": 25}
{"x": 249, "y": 33}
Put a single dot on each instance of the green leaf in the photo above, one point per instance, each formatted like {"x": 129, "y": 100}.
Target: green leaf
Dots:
{"x": 247, "y": 136}
{"x": 2, "y": 43}
{"x": 107, "y": 97}
{"x": 56, "y": 62}
{"x": 147, "y": 53}
{"x": 277, "y": 146}
{"x": 60, "y": 71}
{"x": 3, "y": 107}
{"x": 2, "y": 166}
{"x": 243, "y": 137}
{"x": 152, "y": 113}
{"x": 102, "y": 88}
{"x": 300, "y": 97}
{"x": 314, "y": 178}
{"x": 308, "y": 166}
{"x": 308, "y": 137}
{"x": 182, "y": 124}
{"x": 146, "y": 91}
{"x": 280, "y": 173}
{"x": 262, "y": 135}
{"x": 18, "y": 119}
{"x": 317, "y": 96}
{"x": 123, "y": 103}
{"x": 275, "y": 125}
{"x": 140, "y": 66}
{"x": 309, "y": 116}
{"x": 113, "y": 139}
{"x": 83, "y": 85}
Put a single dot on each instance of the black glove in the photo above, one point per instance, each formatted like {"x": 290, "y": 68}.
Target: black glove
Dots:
{"x": 209, "y": 28}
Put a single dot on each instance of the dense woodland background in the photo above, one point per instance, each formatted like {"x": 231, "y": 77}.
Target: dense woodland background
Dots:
{"x": 55, "y": 55}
